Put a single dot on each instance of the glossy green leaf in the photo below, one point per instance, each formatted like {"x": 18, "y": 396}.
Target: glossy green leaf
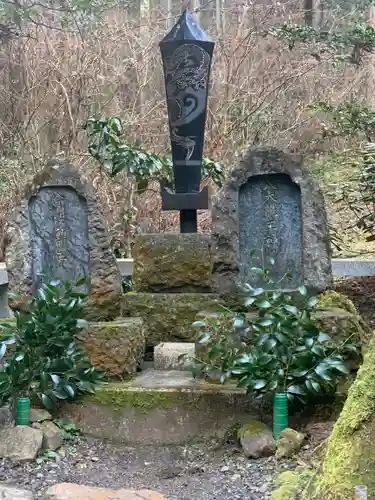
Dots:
{"x": 203, "y": 339}
{"x": 259, "y": 384}
{"x": 322, "y": 371}
{"x": 291, "y": 309}
{"x": 263, "y": 304}
{"x": 312, "y": 302}
{"x": 238, "y": 323}
{"x": 309, "y": 342}
{"x": 249, "y": 301}
{"x": 48, "y": 403}
{"x": 298, "y": 373}
{"x": 323, "y": 337}
{"x": 296, "y": 389}
{"x": 200, "y": 324}
{"x": 266, "y": 322}
{"x": 318, "y": 350}
{"x": 3, "y": 350}
{"x": 82, "y": 281}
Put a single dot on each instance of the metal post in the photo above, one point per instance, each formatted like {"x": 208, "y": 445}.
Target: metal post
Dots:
{"x": 188, "y": 221}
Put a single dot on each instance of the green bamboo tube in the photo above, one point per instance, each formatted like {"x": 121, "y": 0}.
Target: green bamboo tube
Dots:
{"x": 23, "y": 411}
{"x": 280, "y": 414}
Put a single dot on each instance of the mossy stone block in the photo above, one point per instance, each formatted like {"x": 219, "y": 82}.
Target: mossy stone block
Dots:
{"x": 116, "y": 347}
{"x": 177, "y": 263}
{"x": 168, "y": 317}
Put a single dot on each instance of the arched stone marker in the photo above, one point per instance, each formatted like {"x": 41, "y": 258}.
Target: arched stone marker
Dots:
{"x": 57, "y": 232}
{"x": 270, "y": 203}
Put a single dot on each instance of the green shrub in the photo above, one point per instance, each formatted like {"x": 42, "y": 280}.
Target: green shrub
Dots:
{"x": 44, "y": 361}
{"x": 274, "y": 347}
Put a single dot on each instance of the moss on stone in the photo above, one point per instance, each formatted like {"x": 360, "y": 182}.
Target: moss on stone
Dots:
{"x": 334, "y": 300}
{"x": 350, "y": 457}
{"x": 293, "y": 483}
{"x": 254, "y": 428}
{"x": 168, "y": 317}
{"x": 172, "y": 262}
{"x": 116, "y": 347}
{"x": 337, "y": 315}
{"x": 119, "y": 396}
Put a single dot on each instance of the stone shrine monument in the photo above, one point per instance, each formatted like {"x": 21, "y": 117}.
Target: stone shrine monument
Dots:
{"x": 57, "y": 232}
{"x": 270, "y": 203}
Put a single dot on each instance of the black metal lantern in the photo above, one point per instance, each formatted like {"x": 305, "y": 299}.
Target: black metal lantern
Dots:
{"x": 186, "y": 53}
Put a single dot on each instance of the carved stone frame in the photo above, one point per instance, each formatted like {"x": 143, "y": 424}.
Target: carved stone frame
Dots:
{"x": 105, "y": 276}
{"x": 316, "y": 254}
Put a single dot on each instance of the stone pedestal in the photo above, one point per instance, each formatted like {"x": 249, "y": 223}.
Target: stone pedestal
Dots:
{"x": 172, "y": 263}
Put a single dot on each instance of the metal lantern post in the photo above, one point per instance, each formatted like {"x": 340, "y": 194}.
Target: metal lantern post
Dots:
{"x": 186, "y": 53}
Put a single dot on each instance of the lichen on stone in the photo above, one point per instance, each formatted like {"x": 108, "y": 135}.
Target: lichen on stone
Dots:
{"x": 116, "y": 347}
{"x": 293, "y": 484}
{"x": 350, "y": 457}
{"x": 119, "y": 396}
{"x": 172, "y": 262}
{"x": 338, "y": 316}
{"x": 104, "y": 274}
{"x": 253, "y": 428}
{"x": 334, "y": 300}
{"x": 168, "y": 317}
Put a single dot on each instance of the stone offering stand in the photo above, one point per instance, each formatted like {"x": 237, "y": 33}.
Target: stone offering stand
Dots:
{"x": 138, "y": 338}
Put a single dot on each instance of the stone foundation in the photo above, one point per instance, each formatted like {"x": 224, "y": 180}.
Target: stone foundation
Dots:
{"x": 168, "y": 317}
{"x": 161, "y": 408}
{"x": 172, "y": 263}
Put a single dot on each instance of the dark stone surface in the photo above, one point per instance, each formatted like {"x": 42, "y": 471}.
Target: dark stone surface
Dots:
{"x": 59, "y": 236}
{"x": 37, "y": 229}
{"x": 270, "y": 220}
{"x": 226, "y": 223}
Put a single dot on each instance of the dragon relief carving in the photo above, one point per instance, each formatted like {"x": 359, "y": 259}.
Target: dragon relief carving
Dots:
{"x": 187, "y": 84}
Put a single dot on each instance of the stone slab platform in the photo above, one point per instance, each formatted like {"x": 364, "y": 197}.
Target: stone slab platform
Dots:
{"x": 174, "y": 356}
{"x": 161, "y": 407}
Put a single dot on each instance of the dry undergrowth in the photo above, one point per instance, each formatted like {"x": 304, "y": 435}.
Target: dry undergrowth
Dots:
{"x": 52, "y": 80}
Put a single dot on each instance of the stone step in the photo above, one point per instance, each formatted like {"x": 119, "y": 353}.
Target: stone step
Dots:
{"x": 174, "y": 356}
{"x": 161, "y": 407}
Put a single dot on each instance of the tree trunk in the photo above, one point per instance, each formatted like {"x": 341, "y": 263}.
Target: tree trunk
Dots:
{"x": 313, "y": 13}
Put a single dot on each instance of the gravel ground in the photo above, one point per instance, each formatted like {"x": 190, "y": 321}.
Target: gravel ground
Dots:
{"x": 201, "y": 472}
